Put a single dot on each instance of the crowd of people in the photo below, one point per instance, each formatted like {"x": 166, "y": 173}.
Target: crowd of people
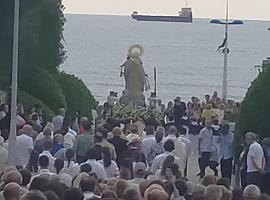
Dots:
{"x": 73, "y": 158}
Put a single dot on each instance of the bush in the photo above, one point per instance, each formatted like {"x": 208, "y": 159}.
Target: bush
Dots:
{"x": 255, "y": 109}
{"x": 42, "y": 85}
{"x": 28, "y": 101}
{"x": 78, "y": 96}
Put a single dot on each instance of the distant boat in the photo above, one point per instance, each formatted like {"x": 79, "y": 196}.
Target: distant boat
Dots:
{"x": 268, "y": 29}
{"x": 235, "y": 22}
{"x": 185, "y": 15}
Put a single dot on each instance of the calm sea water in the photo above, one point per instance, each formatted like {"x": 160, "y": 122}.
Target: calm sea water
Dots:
{"x": 184, "y": 54}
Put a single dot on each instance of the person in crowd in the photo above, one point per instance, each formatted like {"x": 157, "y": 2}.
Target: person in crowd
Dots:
{"x": 157, "y": 148}
{"x": 101, "y": 140}
{"x": 213, "y": 192}
{"x": 24, "y": 146}
{"x": 73, "y": 194}
{"x": 251, "y": 192}
{"x": 208, "y": 113}
{"x": 149, "y": 141}
{"x": 59, "y": 119}
{"x": 205, "y": 147}
{"x": 39, "y": 143}
{"x": 64, "y": 177}
{"x": 70, "y": 136}
{"x": 179, "y": 112}
{"x": 84, "y": 142}
{"x": 255, "y": 161}
{"x": 266, "y": 176}
{"x": 131, "y": 194}
{"x": 109, "y": 165}
{"x": 49, "y": 128}
{"x": 12, "y": 191}
{"x": 180, "y": 148}
{"x": 162, "y": 174}
{"x": 70, "y": 167}
{"x": 158, "y": 162}
{"x": 36, "y": 123}
{"x": 87, "y": 186}
{"x": 46, "y": 152}
{"x": 3, "y": 155}
{"x": 225, "y": 141}
{"x": 3, "y": 111}
{"x": 97, "y": 168}
{"x": 120, "y": 144}
{"x": 139, "y": 173}
{"x": 58, "y": 141}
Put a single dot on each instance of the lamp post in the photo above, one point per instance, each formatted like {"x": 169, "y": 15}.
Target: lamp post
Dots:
{"x": 225, "y": 50}
{"x": 14, "y": 85}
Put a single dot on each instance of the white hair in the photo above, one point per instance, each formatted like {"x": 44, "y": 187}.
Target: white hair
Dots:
{"x": 251, "y": 192}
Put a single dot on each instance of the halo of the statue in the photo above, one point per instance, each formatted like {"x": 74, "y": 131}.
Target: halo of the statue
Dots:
{"x": 132, "y": 50}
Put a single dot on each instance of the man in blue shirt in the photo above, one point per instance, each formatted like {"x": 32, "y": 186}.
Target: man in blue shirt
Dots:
{"x": 225, "y": 141}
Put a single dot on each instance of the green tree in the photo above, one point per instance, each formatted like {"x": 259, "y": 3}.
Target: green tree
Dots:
{"x": 255, "y": 109}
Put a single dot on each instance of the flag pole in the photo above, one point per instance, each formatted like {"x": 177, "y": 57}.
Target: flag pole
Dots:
{"x": 226, "y": 52}
{"x": 155, "y": 81}
{"x": 14, "y": 85}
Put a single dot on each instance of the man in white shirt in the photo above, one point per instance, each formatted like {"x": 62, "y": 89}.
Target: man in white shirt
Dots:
{"x": 255, "y": 161}
{"x": 180, "y": 147}
{"x": 97, "y": 168}
{"x": 158, "y": 162}
{"x": 24, "y": 146}
{"x": 58, "y": 119}
{"x": 205, "y": 147}
{"x": 149, "y": 141}
{"x": 139, "y": 172}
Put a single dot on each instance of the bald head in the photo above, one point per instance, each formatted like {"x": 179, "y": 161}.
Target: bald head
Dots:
{"x": 13, "y": 176}
{"x": 12, "y": 191}
{"x": 116, "y": 131}
{"x": 27, "y": 129}
{"x": 158, "y": 195}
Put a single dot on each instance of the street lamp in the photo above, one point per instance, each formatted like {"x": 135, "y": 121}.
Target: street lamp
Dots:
{"x": 225, "y": 49}
{"x": 14, "y": 85}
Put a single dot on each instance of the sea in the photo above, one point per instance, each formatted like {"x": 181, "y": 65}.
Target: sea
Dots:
{"x": 184, "y": 54}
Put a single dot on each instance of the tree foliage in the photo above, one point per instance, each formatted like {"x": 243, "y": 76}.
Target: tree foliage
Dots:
{"x": 255, "y": 109}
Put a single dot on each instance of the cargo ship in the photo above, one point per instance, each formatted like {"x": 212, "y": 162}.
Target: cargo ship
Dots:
{"x": 185, "y": 15}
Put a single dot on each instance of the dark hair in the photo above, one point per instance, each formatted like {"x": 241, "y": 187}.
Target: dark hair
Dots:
{"x": 39, "y": 183}
{"x": 69, "y": 155}
{"x": 199, "y": 197}
{"x": 124, "y": 173}
{"x": 86, "y": 168}
{"x": 88, "y": 184}
{"x": 43, "y": 161}
{"x": 73, "y": 194}
{"x": 166, "y": 164}
{"x": 168, "y": 186}
{"x": 237, "y": 194}
{"x": 109, "y": 194}
{"x": 175, "y": 170}
{"x": 127, "y": 163}
{"x": 98, "y": 152}
{"x": 150, "y": 130}
{"x": 225, "y": 182}
{"x": 131, "y": 194}
{"x": 47, "y": 144}
{"x": 58, "y": 165}
{"x": 107, "y": 157}
{"x": 90, "y": 154}
{"x": 169, "y": 146}
{"x": 26, "y": 176}
{"x": 2, "y": 106}
{"x": 51, "y": 195}
{"x": 181, "y": 186}
{"x": 35, "y": 195}
{"x": 32, "y": 164}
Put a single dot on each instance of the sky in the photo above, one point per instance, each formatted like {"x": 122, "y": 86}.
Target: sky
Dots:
{"x": 239, "y": 9}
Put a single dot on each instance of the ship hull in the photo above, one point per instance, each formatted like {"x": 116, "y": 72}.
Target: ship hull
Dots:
{"x": 187, "y": 19}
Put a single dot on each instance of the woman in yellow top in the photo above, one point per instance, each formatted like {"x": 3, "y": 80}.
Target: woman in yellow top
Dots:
{"x": 208, "y": 113}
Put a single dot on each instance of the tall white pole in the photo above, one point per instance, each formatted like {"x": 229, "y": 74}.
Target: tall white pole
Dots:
{"x": 13, "y": 131}
{"x": 226, "y": 52}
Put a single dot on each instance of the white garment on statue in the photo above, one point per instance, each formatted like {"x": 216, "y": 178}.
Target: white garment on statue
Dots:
{"x": 112, "y": 170}
{"x": 158, "y": 162}
{"x": 97, "y": 168}
{"x": 24, "y": 146}
{"x": 179, "y": 148}
{"x": 255, "y": 151}
{"x": 147, "y": 143}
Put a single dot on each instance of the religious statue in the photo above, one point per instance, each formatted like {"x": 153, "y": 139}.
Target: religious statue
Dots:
{"x": 136, "y": 81}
